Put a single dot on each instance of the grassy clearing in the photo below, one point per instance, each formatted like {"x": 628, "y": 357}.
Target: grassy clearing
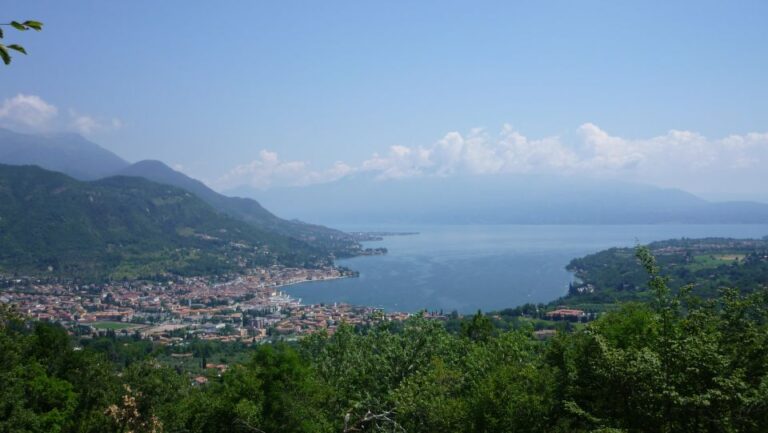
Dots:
{"x": 711, "y": 261}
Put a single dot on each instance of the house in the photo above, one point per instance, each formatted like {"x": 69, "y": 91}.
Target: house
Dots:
{"x": 565, "y": 313}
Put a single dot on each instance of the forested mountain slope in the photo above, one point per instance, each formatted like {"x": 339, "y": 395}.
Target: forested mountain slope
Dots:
{"x": 246, "y": 209}
{"x": 82, "y": 159}
{"x": 125, "y": 227}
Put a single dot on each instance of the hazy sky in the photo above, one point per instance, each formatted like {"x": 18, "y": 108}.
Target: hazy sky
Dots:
{"x": 289, "y": 92}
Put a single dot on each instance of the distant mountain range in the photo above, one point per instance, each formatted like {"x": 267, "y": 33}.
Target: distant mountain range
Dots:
{"x": 68, "y": 153}
{"x": 126, "y": 227}
{"x": 245, "y": 209}
{"x": 45, "y": 219}
{"x": 500, "y": 199}
{"x": 77, "y": 157}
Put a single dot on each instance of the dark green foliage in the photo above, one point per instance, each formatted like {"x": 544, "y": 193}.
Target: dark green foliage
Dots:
{"x": 5, "y": 55}
{"x": 45, "y": 386}
{"x": 679, "y": 363}
{"x": 231, "y": 405}
{"x": 479, "y": 328}
{"x": 708, "y": 265}
{"x": 669, "y": 366}
{"x": 125, "y": 228}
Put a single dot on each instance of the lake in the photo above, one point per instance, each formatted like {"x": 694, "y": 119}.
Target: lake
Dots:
{"x": 487, "y": 267}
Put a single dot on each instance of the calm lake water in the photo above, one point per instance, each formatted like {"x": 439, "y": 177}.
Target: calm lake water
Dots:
{"x": 472, "y": 267}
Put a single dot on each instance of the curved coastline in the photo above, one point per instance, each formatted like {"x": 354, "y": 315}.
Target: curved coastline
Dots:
{"x": 485, "y": 267}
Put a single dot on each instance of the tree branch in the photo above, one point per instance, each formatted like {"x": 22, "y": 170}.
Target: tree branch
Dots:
{"x": 371, "y": 417}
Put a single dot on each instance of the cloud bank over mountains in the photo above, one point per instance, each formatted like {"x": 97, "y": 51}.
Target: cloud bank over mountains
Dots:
{"x": 681, "y": 159}
{"x": 31, "y": 113}
{"x": 730, "y": 167}
{"x": 268, "y": 171}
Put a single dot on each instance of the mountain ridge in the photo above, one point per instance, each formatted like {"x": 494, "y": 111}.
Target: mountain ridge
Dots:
{"x": 361, "y": 199}
{"x": 68, "y": 153}
{"x": 501, "y": 199}
{"x": 245, "y": 209}
{"x": 73, "y": 155}
{"x": 126, "y": 227}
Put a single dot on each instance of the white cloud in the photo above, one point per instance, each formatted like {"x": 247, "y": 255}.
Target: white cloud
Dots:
{"x": 87, "y": 125}
{"x": 717, "y": 168}
{"x": 27, "y": 111}
{"x": 268, "y": 170}
{"x": 477, "y": 152}
{"x": 596, "y": 152}
{"x": 30, "y": 113}
{"x": 681, "y": 159}
{"x": 673, "y": 154}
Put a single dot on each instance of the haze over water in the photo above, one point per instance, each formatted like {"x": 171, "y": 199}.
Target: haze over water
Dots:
{"x": 472, "y": 267}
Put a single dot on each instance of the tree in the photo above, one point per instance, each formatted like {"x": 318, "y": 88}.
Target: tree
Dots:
{"x": 291, "y": 395}
{"x": 21, "y": 26}
{"x": 677, "y": 364}
{"x": 480, "y": 328}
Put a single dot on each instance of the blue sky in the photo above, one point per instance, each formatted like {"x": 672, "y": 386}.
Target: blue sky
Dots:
{"x": 264, "y": 93}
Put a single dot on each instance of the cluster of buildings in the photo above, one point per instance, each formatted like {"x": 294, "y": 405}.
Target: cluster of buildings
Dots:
{"x": 305, "y": 319}
{"x": 248, "y": 307}
{"x": 566, "y": 314}
{"x": 710, "y": 246}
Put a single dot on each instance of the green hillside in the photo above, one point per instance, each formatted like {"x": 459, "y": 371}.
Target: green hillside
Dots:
{"x": 706, "y": 265}
{"x": 248, "y": 210}
{"x": 82, "y": 159}
{"x": 125, "y": 227}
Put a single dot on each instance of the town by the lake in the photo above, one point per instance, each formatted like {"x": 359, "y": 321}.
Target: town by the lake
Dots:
{"x": 248, "y": 308}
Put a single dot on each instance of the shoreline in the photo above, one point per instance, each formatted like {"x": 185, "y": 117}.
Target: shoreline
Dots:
{"x": 549, "y": 279}
{"x": 296, "y": 283}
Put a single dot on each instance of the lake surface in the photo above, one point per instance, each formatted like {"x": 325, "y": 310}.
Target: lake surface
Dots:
{"x": 471, "y": 267}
